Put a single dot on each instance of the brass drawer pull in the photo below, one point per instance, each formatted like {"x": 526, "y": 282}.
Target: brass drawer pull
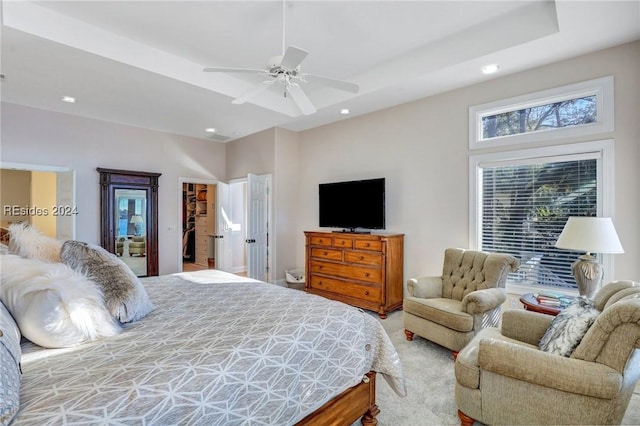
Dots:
{"x": 366, "y": 293}
{"x": 366, "y": 274}
{"x": 361, "y": 257}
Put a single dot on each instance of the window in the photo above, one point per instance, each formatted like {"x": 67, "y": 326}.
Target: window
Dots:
{"x": 577, "y": 109}
{"x": 521, "y": 200}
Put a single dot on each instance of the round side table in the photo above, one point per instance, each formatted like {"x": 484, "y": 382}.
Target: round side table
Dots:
{"x": 531, "y": 304}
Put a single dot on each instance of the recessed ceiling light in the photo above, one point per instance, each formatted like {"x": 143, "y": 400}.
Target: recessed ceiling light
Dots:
{"x": 210, "y": 130}
{"x": 69, "y": 99}
{"x": 345, "y": 111}
{"x": 490, "y": 69}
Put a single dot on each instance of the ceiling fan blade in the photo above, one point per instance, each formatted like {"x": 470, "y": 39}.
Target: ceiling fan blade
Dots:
{"x": 252, "y": 93}
{"x": 301, "y": 99}
{"x": 293, "y": 56}
{"x": 225, "y": 69}
{"x": 337, "y": 84}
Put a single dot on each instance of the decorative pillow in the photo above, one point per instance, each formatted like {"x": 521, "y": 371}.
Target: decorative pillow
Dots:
{"x": 569, "y": 327}
{"x": 54, "y": 306}
{"x": 124, "y": 294}
{"x": 27, "y": 241}
{"x": 10, "y": 375}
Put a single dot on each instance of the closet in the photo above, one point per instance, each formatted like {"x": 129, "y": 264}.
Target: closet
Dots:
{"x": 198, "y": 224}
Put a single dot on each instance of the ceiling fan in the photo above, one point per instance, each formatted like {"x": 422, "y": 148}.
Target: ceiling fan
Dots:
{"x": 285, "y": 70}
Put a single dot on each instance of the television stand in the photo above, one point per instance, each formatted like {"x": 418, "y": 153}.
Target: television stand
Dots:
{"x": 361, "y": 270}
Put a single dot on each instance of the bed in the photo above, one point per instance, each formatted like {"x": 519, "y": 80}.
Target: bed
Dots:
{"x": 218, "y": 349}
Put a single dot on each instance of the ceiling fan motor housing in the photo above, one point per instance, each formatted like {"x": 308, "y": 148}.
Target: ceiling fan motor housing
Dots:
{"x": 274, "y": 68}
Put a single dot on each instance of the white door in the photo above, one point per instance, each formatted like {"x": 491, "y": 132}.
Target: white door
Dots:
{"x": 258, "y": 226}
{"x": 223, "y": 228}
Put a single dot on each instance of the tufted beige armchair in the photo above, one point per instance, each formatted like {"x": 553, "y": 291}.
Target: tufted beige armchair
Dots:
{"x": 138, "y": 246}
{"x": 503, "y": 378}
{"x": 450, "y": 309}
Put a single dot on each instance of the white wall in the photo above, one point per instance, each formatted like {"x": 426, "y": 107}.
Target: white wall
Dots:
{"x": 422, "y": 150}
{"x": 286, "y": 194}
{"x": 43, "y": 195}
{"x": 35, "y": 136}
{"x": 15, "y": 190}
{"x": 273, "y": 151}
{"x": 420, "y": 147}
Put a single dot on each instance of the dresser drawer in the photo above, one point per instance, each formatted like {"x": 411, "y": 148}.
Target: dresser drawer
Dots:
{"x": 332, "y": 285}
{"x": 375, "y": 245}
{"x": 343, "y": 242}
{"x": 323, "y": 253}
{"x": 364, "y": 258}
{"x": 321, "y": 241}
{"x": 358, "y": 273}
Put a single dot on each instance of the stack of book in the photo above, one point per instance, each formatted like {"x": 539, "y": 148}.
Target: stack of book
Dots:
{"x": 548, "y": 298}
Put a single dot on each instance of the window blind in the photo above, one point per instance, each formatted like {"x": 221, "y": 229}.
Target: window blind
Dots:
{"x": 524, "y": 208}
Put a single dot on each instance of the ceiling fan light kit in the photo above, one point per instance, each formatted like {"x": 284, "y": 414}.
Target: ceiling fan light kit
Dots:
{"x": 285, "y": 69}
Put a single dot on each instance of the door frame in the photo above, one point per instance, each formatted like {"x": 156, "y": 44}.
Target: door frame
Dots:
{"x": 271, "y": 261}
{"x": 53, "y": 169}
{"x": 181, "y": 182}
{"x": 271, "y": 239}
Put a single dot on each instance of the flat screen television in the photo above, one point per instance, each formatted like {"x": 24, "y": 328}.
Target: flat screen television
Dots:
{"x": 353, "y": 204}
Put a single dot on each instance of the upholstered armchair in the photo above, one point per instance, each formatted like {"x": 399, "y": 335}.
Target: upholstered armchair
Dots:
{"x": 137, "y": 246}
{"x": 503, "y": 378}
{"x": 450, "y": 309}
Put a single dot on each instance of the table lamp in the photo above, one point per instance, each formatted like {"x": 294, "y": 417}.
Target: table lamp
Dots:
{"x": 137, "y": 221}
{"x": 591, "y": 235}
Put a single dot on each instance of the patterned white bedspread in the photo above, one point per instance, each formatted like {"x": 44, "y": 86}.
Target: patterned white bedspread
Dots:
{"x": 218, "y": 350}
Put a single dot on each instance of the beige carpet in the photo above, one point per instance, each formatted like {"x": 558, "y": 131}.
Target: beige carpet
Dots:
{"x": 430, "y": 384}
{"x": 137, "y": 263}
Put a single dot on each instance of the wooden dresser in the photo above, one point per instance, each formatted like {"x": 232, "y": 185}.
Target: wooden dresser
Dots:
{"x": 363, "y": 270}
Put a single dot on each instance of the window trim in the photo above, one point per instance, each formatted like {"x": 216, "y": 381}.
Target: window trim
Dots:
{"x": 603, "y": 150}
{"x": 602, "y": 88}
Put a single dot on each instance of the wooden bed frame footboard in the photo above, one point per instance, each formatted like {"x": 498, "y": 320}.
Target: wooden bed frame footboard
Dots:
{"x": 349, "y": 406}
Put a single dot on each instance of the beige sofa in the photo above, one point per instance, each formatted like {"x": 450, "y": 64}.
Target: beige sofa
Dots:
{"x": 450, "y": 309}
{"x": 503, "y": 378}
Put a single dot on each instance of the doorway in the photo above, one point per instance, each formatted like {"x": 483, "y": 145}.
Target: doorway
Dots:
{"x": 217, "y": 226}
{"x": 33, "y": 188}
{"x": 198, "y": 215}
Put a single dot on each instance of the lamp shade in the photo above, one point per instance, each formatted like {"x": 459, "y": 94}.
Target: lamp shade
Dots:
{"x": 590, "y": 234}
{"x": 136, "y": 219}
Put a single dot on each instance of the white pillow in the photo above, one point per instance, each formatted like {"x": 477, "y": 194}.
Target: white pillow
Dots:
{"x": 53, "y": 305}
{"x": 27, "y": 241}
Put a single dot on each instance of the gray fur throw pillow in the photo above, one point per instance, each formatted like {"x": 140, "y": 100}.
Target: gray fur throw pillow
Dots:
{"x": 124, "y": 294}
{"x": 569, "y": 327}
